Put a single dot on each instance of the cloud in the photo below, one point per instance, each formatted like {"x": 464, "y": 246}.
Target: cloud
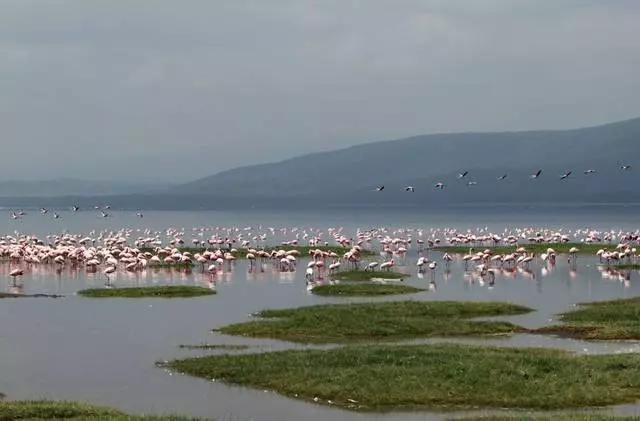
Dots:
{"x": 158, "y": 89}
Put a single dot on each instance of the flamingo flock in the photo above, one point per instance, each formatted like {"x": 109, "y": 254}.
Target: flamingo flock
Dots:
{"x": 215, "y": 250}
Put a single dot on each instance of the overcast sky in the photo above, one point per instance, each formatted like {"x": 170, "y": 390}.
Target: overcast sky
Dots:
{"x": 174, "y": 90}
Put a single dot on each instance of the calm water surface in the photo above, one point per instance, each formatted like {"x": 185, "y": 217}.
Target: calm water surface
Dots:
{"x": 103, "y": 351}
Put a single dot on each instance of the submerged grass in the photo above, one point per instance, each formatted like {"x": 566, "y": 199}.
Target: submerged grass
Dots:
{"x": 445, "y": 377}
{"x": 537, "y": 248}
{"x": 166, "y": 291}
{"x": 382, "y": 321}
{"x": 363, "y": 289}
{"x": 226, "y": 347}
{"x": 603, "y": 320}
{"x": 60, "y": 410}
{"x": 357, "y": 275}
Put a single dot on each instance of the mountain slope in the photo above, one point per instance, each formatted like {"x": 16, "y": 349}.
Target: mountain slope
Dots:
{"x": 354, "y": 172}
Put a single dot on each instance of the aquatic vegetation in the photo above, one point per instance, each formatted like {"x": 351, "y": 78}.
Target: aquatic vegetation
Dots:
{"x": 364, "y": 289}
{"x": 578, "y": 416}
{"x": 73, "y": 411}
{"x": 381, "y": 321}
{"x": 226, "y": 347}
{"x": 166, "y": 291}
{"x": 444, "y": 377}
{"x": 600, "y": 320}
{"x": 367, "y": 275}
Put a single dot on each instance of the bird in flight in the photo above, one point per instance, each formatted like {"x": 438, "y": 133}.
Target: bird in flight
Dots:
{"x": 379, "y": 188}
{"x": 409, "y": 188}
{"x": 75, "y": 208}
{"x": 625, "y": 167}
{"x": 502, "y": 177}
{"x": 536, "y": 175}
{"x": 590, "y": 171}
{"x": 439, "y": 185}
{"x": 463, "y": 174}
{"x": 471, "y": 183}
{"x": 565, "y": 175}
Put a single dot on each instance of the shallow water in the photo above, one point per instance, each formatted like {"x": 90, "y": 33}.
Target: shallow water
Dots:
{"x": 103, "y": 350}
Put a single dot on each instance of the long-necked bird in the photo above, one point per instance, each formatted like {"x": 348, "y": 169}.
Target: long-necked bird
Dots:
{"x": 502, "y": 177}
{"x": 625, "y": 167}
{"x": 536, "y": 175}
{"x": 439, "y": 185}
{"x": 409, "y": 189}
{"x": 379, "y": 188}
{"x": 565, "y": 175}
{"x": 589, "y": 171}
{"x": 463, "y": 174}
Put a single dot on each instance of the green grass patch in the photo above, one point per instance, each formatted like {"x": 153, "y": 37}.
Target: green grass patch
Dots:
{"x": 60, "y": 410}
{"x": 225, "y": 347}
{"x": 624, "y": 266}
{"x": 178, "y": 265}
{"x": 531, "y": 248}
{"x": 357, "y": 275}
{"x": 442, "y": 377}
{"x": 166, "y": 291}
{"x": 582, "y": 416}
{"x": 363, "y": 289}
{"x": 382, "y": 321}
{"x": 601, "y": 320}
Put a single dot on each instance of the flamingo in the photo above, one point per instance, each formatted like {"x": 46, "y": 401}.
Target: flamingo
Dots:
{"x": 15, "y": 273}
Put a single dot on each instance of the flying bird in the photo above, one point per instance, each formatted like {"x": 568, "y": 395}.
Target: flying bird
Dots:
{"x": 471, "y": 183}
{"x": 379, "y": 188}
{"x": 565, "y": 175}
{"x": 439, "y": 185}
{"x": 625, "y": 167}
{"x": 75, "y": 208}
{"x": 463, "y": 174}
{"x": 502, "y": 177}
{"x": 409, "y": 188}
{"x": 586, "y": 172}
{"x": 536, "y": 175}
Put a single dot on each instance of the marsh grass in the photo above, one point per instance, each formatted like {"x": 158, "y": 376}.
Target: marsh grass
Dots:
{"x": 60, "y": 410}
{"x": 442, "y": 377}
{"x": 363, "y": 289}
{"x": 177, "y": 265}
{"x": 160, "y": 291}
{"x": 600, "y": 320}
{"x": 582, "y": 416}
{"x": 584, "y": 248}
{"x": 381, "y": 321}
{"x": 224, "y": 347}
{"x": 624, "y": 266}
{"x": 358, "y": 275}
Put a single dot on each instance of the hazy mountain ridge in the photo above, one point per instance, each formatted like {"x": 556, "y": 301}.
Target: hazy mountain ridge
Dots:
{"x": 427, "y": 159}
{"x": 348, "y": 177}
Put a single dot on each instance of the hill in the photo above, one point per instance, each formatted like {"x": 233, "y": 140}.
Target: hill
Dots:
{"x": 351, "y": 174}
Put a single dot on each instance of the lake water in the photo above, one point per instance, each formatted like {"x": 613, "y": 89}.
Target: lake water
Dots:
{"x": 103, "y": 351}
